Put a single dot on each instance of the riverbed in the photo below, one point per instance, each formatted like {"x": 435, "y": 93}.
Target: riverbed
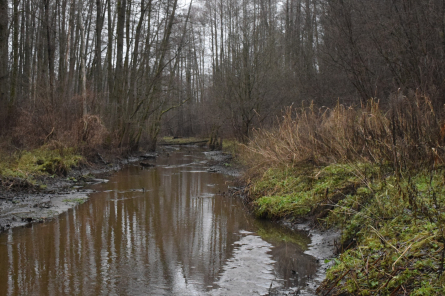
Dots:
{"x": 166, "y": 228}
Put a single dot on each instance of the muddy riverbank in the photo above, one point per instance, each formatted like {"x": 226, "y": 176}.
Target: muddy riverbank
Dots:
{"x": 22, "y": 204}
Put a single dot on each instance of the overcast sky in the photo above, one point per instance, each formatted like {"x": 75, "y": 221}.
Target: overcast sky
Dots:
{"x": 183, "y": 3}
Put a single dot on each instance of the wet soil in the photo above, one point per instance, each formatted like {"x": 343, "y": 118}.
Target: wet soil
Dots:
{"x": 22, "y": 203}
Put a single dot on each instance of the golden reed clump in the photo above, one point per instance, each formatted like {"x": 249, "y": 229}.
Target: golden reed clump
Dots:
{"x": 408, "y": 133}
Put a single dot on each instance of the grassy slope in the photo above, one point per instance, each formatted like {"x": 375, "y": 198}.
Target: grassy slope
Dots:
{"x": 391, "y": 213}
{"x": 393, "y": 229}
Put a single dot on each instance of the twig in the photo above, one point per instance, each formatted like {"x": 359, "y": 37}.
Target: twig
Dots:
{"x": 271, "y": 283}
{"x": 442, "y": 257}
{"x": 404, "y": 252}
{"x": 395, "y": 291}
{"x": 383, "y": 239}
{"x": 329, "y": 291}
{"x": 391, "y": 276}
{"x": 49, "y": 134}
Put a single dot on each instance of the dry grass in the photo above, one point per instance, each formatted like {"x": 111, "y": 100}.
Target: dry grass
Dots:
{"x": 375, "y": 173}
{"x": 408, "y": 135}
{"x": 91, "y": 134}
{"x": 43, "y": 124}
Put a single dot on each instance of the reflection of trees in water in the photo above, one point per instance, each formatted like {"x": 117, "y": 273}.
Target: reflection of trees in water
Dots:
{"x": 173, "y": 237}
{"x": 187, "y": 229}
{"x": 292, "y": 264}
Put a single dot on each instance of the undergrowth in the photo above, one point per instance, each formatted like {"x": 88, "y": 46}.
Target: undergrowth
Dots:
{"x": 232, "y": 147}
{"x": 40, "y": 146}
{"x": 376, "y": 174}
{"x": 46, "y": 160}
{"x": 293, "y": 192}
{"x": 397, "y": 237}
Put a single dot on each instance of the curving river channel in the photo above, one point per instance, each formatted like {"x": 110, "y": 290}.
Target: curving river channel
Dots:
{"x": 165, "y": 230}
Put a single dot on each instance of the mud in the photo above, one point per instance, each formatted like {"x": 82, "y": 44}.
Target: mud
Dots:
{"x": 23, "y": 204}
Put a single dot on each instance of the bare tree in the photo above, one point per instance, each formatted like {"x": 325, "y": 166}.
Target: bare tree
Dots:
{"x": 4, "y": 96}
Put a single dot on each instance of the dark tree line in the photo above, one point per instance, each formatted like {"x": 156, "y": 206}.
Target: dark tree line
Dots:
{"x": 266, "y": 54}
{"x": 146, "y": 67}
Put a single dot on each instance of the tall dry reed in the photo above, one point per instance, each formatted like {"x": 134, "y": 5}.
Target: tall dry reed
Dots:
{"x": 408, "y": 134}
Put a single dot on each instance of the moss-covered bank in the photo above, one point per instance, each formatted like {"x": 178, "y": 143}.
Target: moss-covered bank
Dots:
{"x": 393, "y": 226}
{"x": 377, "y": 175}
{"x": 30, "y": 167}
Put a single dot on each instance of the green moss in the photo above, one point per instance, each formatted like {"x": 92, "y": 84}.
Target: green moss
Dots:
{"x": 281, "y": 206}
{"x": 42, "y": 161}
{"x": 281, "y": 192}
{"x": 393, "y": 226}
{"x": 399, "y": 235}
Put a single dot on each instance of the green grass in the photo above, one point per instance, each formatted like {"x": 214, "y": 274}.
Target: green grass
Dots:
{"x": 38, "y": 162}
{"x": 295, "y": 192}
{"x": 399, "y": 235}
{"x": 393, "y": 227}
{"x": 375, "y": 174}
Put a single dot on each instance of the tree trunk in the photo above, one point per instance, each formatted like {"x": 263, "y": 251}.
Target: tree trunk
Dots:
{"x": 110, "y": 75}
{"x": 4, "y": 97}
{"x": 83, "y": 78}
{"x": 50, "y": 49}
{"x": 98, "y": 53}
{"x": 15, "y": 50}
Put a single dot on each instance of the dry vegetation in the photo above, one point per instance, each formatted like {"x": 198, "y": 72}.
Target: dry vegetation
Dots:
{"x": 408, "y": 135}
{"x": 45, "y": 144}
{"x": 375, "y": 173}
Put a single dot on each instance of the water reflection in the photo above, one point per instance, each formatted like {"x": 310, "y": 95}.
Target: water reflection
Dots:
{"x": 163, "y": 231}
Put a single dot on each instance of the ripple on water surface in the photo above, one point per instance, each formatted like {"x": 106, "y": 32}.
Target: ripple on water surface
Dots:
{"x": 167, "y": 230}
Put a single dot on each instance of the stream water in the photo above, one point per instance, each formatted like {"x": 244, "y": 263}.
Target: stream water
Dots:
{"x": 166, "y": 230}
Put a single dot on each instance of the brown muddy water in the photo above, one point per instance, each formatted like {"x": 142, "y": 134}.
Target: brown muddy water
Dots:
{"x": 166, "y": 230}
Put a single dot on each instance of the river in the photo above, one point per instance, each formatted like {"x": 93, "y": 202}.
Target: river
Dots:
{"x": 171, "y": 229}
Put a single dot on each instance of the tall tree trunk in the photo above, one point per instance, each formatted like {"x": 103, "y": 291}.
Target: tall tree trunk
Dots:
{"x": 117, "y": 92}
{"x": 83, "y": 86}
{"x": 15, "y": 51}
{"x": 4, "y": 98}
{"x": 27, "y": 64}
{"x": 98, "y": 51}
{"x": 62, "y": 70}
{"x": 50, "y": 49}
{"x": 72, "y": 48}
{"x": 156, "y": 86}
{"x": 110, "y": 75}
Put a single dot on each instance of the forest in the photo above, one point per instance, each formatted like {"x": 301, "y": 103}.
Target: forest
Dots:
{"x": 120, "y": 73}
{"x": 336, "y": 109}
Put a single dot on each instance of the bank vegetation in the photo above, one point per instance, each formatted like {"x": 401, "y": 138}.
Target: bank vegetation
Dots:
{"x": 376, "y": 174}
